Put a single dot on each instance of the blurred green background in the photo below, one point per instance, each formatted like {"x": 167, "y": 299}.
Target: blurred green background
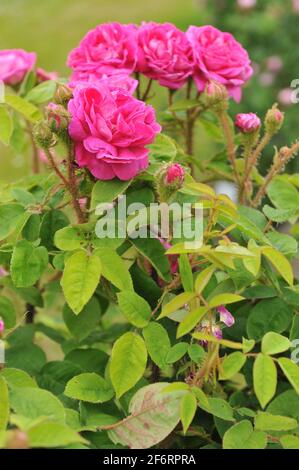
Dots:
{"x": 269, "y": 29}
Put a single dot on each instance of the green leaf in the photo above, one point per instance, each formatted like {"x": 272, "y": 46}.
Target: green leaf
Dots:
{"x": 27, "y": 263}
{"x": 203, "y": 278}
{"x": 273, "y": 343}
{"x": 184, "y": 105}
{"x": 28, "y": 110}
{"x": 34, "y": 403}
{"x": 289, "y": 442}
{"x": 17, "y": 378}
{"x": 264, "y": 379}
{"x": 128, "y": 362}
{"x": 291, "y": 371}
{"x": 4, "y": 404}
{"x": 196, "y": 353}
{"x": 106, "y": 191}
{"x": 157, "y": 343}
{"x": 280, "y": 263}
{"x": 49, "y": 434}
{"x": 176, "y": 303}
{"x": 220, "y": 408}
{"x": 82, "y": 325}
{"x": 231, "y": 365}
{"x": 190, "y": 321}
{"x": 188, "y": 409}
{"x": 176, "y": 352}
{"x": 268, "y": 315}
{"x": 52, "y": 222}
{"x": 153, "y": 415}
{"x": 242, "y": 436}
{"x": 153, "y": 250}
{"x": 283, "y": 194}
{"x": 10, "y": 216}
{"x": 28, "y": 357}
{"x": 69, "y": 239}
{"x": 186, "y": 273}
{"x": 89, "y": 387}
{"x": 42, "y": 92}
{"x": 164, "y": 148}
{"x": 284, "y": 243}
{"x": 136, "y": 310}
{"x": 279, "y": 215}
{"x": 80, "y": 278}
{"x": 6, "y": 125}
{"x": 268, "y": 422}
{"x": 114, "y": 269}
{"x": 224, "y": 299}
{"x": 7, "y": 312}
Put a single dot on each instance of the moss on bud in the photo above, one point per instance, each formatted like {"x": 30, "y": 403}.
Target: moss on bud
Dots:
{"x": 274, "y": 120}
{"x": 43, "y": 135}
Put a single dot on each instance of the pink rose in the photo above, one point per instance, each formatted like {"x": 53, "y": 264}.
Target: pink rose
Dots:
{"x": 14, "y": 64}
{"x": 219, "y": 57}
{"x": 121, "y": 80}
{"x": 248, "y": 123}
{"x": 109, "y": 48}
{"x": 175, "y": 174}
{"x": 42, "y": 75}
{"x": 111, "y": 130}
{"x": 164, "y": 54}
{"x": 2, "y": 326}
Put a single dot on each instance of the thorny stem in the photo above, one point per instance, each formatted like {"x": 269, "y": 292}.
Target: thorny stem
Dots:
{"x": 137, "y": 76}
{"x": 283, "y": 157}
{"x": 35, "y": 157}
{"x": 252, "y": 161}
{"x": 230, "y": 145}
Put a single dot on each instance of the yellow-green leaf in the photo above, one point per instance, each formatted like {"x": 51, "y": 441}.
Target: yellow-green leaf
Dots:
{"x": 280, "y": 263}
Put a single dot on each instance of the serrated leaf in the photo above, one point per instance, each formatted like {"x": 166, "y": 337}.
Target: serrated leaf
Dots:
{"x": 28, "y": 110}
{"x": 89, "y": 387}
{"x": 82, "y": 325}
{"x": 188, "y": 407}
{"x": 190, "y": 321}
{"x": 27, "y": 263}
{"x": 186, "y": 273}
{"x": 80, "y": 278}
{"x": 42, "y": 92}
{"x": 10, "y": 215}
{"x": 114, "y": 269}
{"x": 223, "y": 299}
{"x": 273, "y": 343}
{"x": 203, "y": 279}
{"x": 136, "y": 310}
{"x": 157, "y": 343}
{"x": 49, "y": 435}
{"x": 291, "y": 371}
{"x": 231, "y": 365}
{"x": 153, "y": 415}
{"x": 128, "y": 362}
{"x": 176, "y": 303}
{"x": 34, "y": 403}
{"x": 242, "y": 436}
{"x": 106, "y": 191}
{"x": 280, "y": 263}
{"x": 268, "y": 422}
{"x": 264, "y": 379}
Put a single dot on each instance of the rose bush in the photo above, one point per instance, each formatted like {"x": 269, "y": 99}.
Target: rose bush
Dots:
{"x": 180, "y": 339}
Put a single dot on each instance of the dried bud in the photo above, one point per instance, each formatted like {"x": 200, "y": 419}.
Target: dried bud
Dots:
{"x": 58, "y": 118}
{"x": 43, "y": 135}
{"x": 216, "y": 96}
{"x": 170, "y": 179}
{"x": 274, "y": 120}
{"x": 17, "y": 440}
{"x": 248, "y": 123}
{"x": 63, "y": 95}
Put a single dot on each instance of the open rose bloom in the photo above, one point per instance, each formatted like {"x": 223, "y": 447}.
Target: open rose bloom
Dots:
{"x": 108, "y": 48}
{"x": 111, "y": 130}
{"x": 219, "y": 57}
{"x": 164, "y": 54}
{"x": 14, "y": 64}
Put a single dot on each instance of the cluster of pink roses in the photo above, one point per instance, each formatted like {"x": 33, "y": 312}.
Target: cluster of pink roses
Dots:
{"x": 110, "y": 127}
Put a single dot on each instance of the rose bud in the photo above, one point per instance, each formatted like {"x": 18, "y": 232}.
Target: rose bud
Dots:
{"x": 58, "y": 117}
{"x": 2, "y": 326}
{"x": 43, "y": 135}
{"x": 170, "y": 179}
{"x": 63, "y": 95}
{"x": 216, "y": 95}
{"x": 248, "y": 123}
{"x": 274, "y": 120}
